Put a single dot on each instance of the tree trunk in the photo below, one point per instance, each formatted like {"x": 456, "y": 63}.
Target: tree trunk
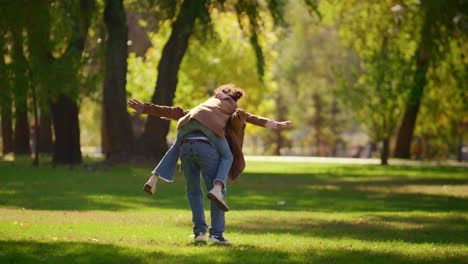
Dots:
{"x": 116, "y": 118}
{"x": 66, "y": 130}
{"x": 21, "y": 140}
{"x": 385, "y": 151}
{"x": 318, "y": 122}
{"x": 334, "y": 127}
{"x": 104, "y": 136}
{"x": 281, "y": 111}
{"x": 153, "y": 140}
{"x": 45, "y": 144}
{"x": 5, "y": 103}
{"x": 406, "y": 131}
{"x": 460, "y": 146}
{"x": 35, "y": 128}
{"x": 7, "y": 129}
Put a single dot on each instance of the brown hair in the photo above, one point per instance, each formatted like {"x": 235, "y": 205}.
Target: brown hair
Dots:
{"x": 231, "y": 90}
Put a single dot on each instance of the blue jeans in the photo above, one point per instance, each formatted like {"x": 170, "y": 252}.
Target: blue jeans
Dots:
{"x": 166, "y": 167}
{"x": 201, "y": 157}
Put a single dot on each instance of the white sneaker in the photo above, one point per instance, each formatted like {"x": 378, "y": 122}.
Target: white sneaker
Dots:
{"x": 216, "y": 196}
{"x": 201, "y": 237}
{"x": 150, "y": 185}
{"x": 219, "y": 239}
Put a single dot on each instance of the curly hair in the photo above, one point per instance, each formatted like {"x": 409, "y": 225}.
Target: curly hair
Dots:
{"x": 231, "y": 90}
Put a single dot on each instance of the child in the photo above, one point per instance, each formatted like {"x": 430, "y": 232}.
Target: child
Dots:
{"x": 210, "y": 119}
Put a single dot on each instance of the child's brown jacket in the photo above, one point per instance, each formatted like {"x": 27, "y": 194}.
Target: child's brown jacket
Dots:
{"x": 234, "y": 131}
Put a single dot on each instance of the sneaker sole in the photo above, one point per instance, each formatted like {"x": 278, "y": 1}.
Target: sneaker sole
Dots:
{"x": 218, "y": 203}
{"x": 147, "y": 189}
{"x": 219, "y": 242}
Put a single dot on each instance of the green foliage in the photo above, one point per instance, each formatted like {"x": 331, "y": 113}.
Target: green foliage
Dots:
{"x": 383, "y": 78}
{"x": 5, "y": 70}
{"x": 226, "y": 58}
{"x": 304, "y": 72}
{"x": 141, "y": 75}
{"x": 445, "y": 106}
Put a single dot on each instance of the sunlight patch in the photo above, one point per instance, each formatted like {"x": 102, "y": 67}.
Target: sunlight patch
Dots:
{"x": 460, "y": 191}
{"x": 8, "y": 192}
{"x": 9, "y": 157}
{"x": 324, "y": 187}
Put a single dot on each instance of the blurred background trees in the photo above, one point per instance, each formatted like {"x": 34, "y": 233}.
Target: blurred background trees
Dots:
{"x": 354, "y": 76}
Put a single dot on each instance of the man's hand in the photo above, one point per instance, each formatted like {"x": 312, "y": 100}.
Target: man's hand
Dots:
{"x": 137, "y": 105}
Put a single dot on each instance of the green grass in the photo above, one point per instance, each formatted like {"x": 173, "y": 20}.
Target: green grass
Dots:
{"x": 280, "y": 213}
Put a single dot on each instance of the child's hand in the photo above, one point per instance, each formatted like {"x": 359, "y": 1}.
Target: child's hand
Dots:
{"x": 137, "y": 105}
{"x": 283, "y": 124}
{"x": 221, "y": 95}
{"x": 276, "y": 124}
{"x": 240, "y": 110}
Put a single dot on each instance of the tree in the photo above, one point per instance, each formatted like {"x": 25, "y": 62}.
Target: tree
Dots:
{"x": 437, "y": 28}
{"x": 5, "y": 96}
{"x": 56, "y": 43}
{"x": 64, "y": 106}
{"x": 116, "y": 119}
{"x": 309, "y": 49}
{"x": 39, "y": 58}
{"x": 153, "y": 140}
{"x": 380, "y": 84}
{"x": 442, "y": 123}
{"x": 376, "y": 95}
{"x": 21, "y": 85}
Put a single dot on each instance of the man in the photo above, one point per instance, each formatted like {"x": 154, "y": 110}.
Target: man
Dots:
{"x": 197, "y": 154}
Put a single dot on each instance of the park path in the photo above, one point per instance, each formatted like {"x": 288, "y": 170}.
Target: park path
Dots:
{"x": 354, "y": 161}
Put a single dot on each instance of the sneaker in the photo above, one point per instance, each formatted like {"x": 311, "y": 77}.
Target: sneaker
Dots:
{"x": 217, "y": 197}
{"x": 150, "y": 185}
{"x": 219, "y": 239}
{"x": 200, "y": 236}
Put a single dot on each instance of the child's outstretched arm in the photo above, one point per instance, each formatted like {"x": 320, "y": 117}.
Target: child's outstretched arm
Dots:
{"x": 261, "y": 121}
{"x": 165, "y": 112}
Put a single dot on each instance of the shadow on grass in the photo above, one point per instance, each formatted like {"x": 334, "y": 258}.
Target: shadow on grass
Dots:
{"x": 326, "y": 189}
{"x": 444, "y": 230}
{"x": 34, "y": 252}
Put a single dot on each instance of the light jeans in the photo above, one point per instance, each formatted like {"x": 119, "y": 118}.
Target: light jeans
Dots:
{"x": 167, "y": 166}
{"x": 201, "y": 157}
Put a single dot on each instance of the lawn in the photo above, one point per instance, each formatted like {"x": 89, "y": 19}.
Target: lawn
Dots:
{"x": 280, "y": 213}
